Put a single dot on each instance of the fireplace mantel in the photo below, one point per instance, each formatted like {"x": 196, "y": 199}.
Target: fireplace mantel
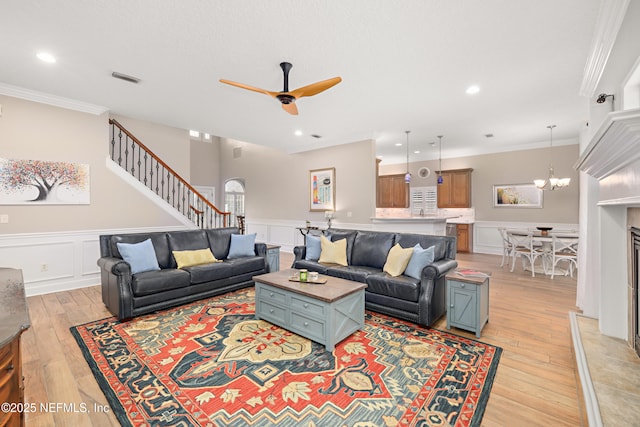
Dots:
{"x": 613, "y": 146}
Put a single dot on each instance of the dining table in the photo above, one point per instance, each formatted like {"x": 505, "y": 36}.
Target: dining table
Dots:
{"x": 545, "y": 238}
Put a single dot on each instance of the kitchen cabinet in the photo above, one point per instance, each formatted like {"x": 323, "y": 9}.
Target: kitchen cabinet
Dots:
{"x": 465, "y": 237}
{"x": 392, "y": 192}
{"x": 455, "y": 190}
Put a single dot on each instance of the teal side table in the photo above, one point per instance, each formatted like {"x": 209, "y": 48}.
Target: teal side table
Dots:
{"x": 273, "y": 258}
{"x": 467, "y": 302}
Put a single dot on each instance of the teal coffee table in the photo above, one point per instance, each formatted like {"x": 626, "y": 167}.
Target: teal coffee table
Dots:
{"x": 325, "y": 313}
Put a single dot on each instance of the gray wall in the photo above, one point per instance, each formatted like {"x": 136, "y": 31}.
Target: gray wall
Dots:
{"x": 205, "y": 170}
{"x": 516, "y": 167}
{"x": 277, "y": 183}
{"x": 30, "y": 130}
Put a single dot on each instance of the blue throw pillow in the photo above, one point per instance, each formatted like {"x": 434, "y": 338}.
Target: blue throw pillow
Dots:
{"x": 419, "y": 260}
{"x": 313, "y": 248}
{"x": 141, "y": 256}
{"x": 242, "y": 245}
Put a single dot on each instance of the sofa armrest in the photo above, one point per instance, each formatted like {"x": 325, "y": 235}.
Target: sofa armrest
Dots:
{"x": 114, "y": 265}
{"x": 261, "y": 249}
{"x": 115, "y": 278}
{"x": 439, "y": 268}
{"x": 432, "y": 298}
{"x": 299, "y": 253}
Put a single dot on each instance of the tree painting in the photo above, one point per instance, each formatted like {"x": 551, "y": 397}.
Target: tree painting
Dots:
{"x": 37, "y": 181}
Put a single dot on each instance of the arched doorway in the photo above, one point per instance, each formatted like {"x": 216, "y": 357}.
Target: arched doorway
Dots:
{"x": 234, "y": 201}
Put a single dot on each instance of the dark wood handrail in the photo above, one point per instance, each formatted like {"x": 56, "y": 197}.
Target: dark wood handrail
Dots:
{"x": 168, "y": 168}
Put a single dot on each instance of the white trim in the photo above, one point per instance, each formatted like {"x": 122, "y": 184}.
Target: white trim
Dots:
{"x": 56, "y": 101}
{"x": 146, "y": 191}
{"x": 613, "y": 146}
{"x": 588, "y": 392}
{"x": 610, "y": 17}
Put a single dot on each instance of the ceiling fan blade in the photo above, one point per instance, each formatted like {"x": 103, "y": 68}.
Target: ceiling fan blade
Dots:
{"x": 290, "y": 108}
{"x": 255, "y": 89}
{"x": 315, "y": 88}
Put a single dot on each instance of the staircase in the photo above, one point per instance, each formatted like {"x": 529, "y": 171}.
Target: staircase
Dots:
{"x": 157, "y": 178}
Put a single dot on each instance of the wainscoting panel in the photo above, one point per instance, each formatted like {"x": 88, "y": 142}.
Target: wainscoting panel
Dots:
{"x": 487, "y": 240}
{"x": 53, "y": 262}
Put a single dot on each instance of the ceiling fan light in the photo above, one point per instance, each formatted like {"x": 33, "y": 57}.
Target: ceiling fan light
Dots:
{"x": 564, "y": 182}
{"x": 540, "y": 183}
{"x": 553, "y": 181}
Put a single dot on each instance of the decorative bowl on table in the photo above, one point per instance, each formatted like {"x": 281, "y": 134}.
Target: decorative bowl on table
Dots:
{"x": 544, "y": 230}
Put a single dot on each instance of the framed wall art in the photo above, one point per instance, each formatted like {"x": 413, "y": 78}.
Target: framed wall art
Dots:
{"x": 322, "y": 190}
{"x": 33, "y": 182}
{"x": 517, "y": 196}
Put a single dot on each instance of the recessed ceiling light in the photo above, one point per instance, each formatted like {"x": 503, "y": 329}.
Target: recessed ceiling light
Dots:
{"x": 298, "y": 133}
{"x": 472, "y": 90}
{"x": 46, "y": 57}
{"x": 398, "y": 144}
{"x": 416, "y": 152}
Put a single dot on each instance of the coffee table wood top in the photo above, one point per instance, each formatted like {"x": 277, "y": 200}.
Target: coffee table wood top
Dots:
{"x": 333, "y": 290}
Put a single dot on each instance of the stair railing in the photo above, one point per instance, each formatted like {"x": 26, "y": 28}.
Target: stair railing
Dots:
{"x": 134, "y": 157}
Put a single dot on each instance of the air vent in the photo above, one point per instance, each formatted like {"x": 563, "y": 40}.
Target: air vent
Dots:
{"x": 125, "y": 77}
{"x": 237, "y": 152}
{"x": 315, "y": 135}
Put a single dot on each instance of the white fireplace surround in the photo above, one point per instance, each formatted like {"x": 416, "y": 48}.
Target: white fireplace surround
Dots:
{"x": 613, "y": 158}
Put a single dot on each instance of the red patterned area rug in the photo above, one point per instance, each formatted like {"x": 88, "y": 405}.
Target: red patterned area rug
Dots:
{"x": 211, "y": 363}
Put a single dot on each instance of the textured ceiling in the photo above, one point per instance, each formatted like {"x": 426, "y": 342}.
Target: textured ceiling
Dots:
{"x": 405, "y": 65}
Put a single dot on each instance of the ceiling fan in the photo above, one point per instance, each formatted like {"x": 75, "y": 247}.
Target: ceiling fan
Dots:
{"x": 288, "y": 99}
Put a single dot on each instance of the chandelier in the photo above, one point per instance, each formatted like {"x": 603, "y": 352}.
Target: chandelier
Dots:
{"x": 551, "y": 183}
{"x": 407, "y": 177}
{"x": 440, "y": 179}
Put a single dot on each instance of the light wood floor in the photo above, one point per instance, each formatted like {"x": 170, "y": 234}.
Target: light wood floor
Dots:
{"x": 536, "y": 383}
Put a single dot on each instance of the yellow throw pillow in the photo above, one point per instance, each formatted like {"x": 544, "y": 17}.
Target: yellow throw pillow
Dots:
{"x": 397, "y": 260}
{"x": 333, "y": 252}
{"x": 191, "y": 258}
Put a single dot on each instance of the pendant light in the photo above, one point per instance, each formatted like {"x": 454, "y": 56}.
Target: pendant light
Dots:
{"x": 551, "y": 183}
{"x": 440, "y": 179}
{"x": 407, "y": 177}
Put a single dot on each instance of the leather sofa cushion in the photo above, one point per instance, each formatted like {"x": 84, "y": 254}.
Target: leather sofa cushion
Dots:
{"x": 352, "y": 272}
{"x": 188, "y": 240}
{"x": 350, "y": 235}
{"x": 402, "y": 287}
{"x": 409, "y": 240}
{"x": 220, "y": 241}
{"x": 151, "y": 282}
{"x": 222, "y": 270}
{"x": 160, "y": 246}
{"x": 370, "y": 249}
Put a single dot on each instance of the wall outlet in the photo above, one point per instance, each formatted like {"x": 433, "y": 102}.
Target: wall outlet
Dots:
{"x": 4, "y": 219}
{"x": 44, "y": 267}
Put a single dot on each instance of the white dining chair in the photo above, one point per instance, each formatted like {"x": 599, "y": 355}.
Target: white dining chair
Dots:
{"x": 564, "y": 249}
{"x": 507, "y": 246}
{"x": 525, "y": 249}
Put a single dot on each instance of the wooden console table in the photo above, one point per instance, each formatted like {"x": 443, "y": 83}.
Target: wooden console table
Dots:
{"x": 14, "y": 320}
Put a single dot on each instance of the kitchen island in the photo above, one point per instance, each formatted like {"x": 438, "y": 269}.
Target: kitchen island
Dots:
{"x": 434, "y": 225}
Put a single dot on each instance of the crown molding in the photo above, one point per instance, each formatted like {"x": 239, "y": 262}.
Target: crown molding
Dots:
{"x": 610, "y": 17}
{"x": 613, "y": 146}
{"x": 56, "y": 101}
